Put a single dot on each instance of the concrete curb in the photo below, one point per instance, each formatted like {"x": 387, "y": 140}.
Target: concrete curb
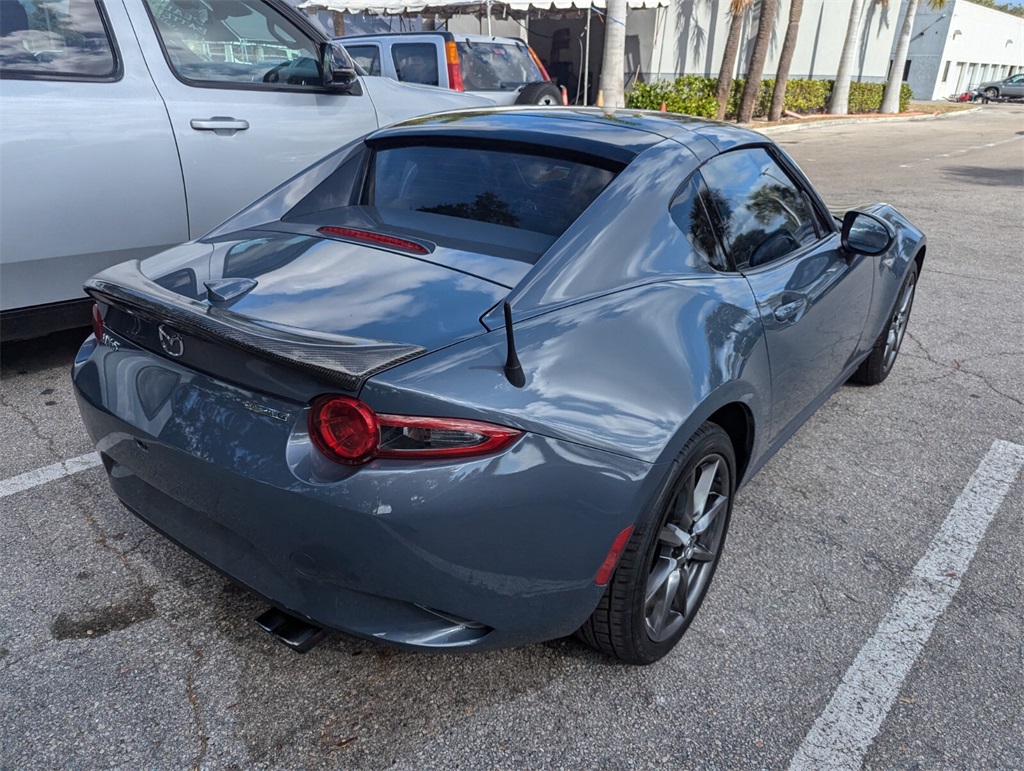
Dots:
{"x": 787, "y": 127}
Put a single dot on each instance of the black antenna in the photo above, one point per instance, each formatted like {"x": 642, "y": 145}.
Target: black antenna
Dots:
{"x": 513, "y": 369}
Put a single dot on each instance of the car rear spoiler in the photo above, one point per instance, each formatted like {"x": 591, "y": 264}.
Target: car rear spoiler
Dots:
{"x": 341, "y": 360}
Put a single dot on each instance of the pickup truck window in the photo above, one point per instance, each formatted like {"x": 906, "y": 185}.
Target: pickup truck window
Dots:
{"x": 45, "y": 40}
{"x": 416, "y": 63}
{"x": 367, "y": 57}
{"x": 231, "y": 43}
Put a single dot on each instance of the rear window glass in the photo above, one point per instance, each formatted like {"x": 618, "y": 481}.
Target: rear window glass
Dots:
{"x": 539, "y": 193}
{"x": 496, "y": 66}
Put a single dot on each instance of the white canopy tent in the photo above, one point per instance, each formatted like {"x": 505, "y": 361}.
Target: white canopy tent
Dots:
{"x": 480, "y": 8}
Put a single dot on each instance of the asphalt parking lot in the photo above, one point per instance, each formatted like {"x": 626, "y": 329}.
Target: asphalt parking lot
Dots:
{"x": 824, "y": 641}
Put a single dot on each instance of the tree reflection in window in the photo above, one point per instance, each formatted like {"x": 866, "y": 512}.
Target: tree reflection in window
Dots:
{"x": 763, "y": 214}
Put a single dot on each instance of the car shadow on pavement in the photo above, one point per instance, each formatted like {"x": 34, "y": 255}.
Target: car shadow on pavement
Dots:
{"x": 24, "y": 356}
{"x": 980, "y": 175}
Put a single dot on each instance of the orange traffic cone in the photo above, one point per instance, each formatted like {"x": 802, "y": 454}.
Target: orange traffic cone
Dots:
{"x": 664, "y": 107}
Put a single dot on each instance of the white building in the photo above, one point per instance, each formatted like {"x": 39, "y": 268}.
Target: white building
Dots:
{"x": 954, "y": 49}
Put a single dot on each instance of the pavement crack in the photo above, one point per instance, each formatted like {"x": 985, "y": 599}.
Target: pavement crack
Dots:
{"x": 958, "y": 366}
{"x": 24, "y": 415}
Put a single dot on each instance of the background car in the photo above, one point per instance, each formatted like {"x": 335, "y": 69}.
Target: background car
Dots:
{"x": 1012, "y": 87}
{"x": 504, "y": 69}
{"x": 130, "y": 126}
{"x": 490, "y": 378}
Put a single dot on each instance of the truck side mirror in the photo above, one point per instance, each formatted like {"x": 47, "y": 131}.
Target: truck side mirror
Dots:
{"x": 337, "y": 69}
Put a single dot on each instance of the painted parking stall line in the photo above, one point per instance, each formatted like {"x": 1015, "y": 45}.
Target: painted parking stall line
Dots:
{"x": 956, "y": 153}
{"x": 41, "y": 476}
{"x": 842, "y": 734}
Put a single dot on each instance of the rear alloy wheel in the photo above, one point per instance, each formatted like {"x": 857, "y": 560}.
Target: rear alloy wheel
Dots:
{"x": 542, "y": 92}
{"x": 991, "y": 93}
{"x": 667, "y": 566}
{"x": 877, "y": 366}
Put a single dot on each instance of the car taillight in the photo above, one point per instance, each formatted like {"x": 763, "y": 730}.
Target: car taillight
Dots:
{"x": 347, "y": 431}
{"x": 97, "y": 322}
{"x": 454, "y": 67}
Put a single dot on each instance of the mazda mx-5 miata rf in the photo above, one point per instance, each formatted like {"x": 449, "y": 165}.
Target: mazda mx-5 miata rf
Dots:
{"x": 492, "y": 377}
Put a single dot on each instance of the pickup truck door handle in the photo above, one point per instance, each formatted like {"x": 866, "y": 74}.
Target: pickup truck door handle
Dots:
{"x": 218, "y": 123}
{"x": 789, "y": 311}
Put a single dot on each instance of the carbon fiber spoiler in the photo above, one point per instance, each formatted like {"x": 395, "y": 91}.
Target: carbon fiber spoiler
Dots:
{"x": 341, "y": 360}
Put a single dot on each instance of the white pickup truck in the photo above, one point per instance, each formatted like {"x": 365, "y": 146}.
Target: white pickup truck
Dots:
{"x": 132, "y": 125}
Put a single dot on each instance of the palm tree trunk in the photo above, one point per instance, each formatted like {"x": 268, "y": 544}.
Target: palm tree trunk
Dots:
{"x": 796, "y": 10}
{"x": 891, "y": 98}
{"x": 752, "y": 88}
{"x": 732, "y": 46}
{"x": 614, "y": 65}
{"x": 840, "y": 103}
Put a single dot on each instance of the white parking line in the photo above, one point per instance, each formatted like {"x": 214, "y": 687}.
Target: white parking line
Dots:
{"x": 41, "y": 476}
{"x": 964, "y": 151}
{"x": 842, "y": 734}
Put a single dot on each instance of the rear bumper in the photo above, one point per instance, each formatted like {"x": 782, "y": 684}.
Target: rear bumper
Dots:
{"x": 483, "y": 554}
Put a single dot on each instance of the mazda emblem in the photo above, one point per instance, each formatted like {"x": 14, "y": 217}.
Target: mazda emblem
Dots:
{"x": 171, "y": 341}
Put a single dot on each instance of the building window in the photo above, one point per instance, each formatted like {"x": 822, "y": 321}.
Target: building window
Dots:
{"x": 945, "y": 72}
{"x": 906, "y": 71}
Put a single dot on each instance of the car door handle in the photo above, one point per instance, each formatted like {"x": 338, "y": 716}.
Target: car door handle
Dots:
{"x": 789, "y": 311}
{"x": 218, "y": 123}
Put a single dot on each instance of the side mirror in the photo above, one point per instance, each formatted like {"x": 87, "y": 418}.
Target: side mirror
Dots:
{"x": 864, "y": 233}
{"x": 337, "y": 69}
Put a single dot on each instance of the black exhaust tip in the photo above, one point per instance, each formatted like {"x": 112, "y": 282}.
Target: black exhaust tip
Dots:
{"x": 297, "y": 633}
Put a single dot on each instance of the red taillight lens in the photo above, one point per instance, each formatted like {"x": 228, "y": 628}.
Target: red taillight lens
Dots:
{"x": 344, "y": 429}
{"x": 374, "y": 238}
{"x": 454, "y": 67}
{"x": 97, "y": 322}
{"x": 348, "y": 431}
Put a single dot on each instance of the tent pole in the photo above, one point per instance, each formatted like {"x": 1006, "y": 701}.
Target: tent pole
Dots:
{"x": 489, "y": 18}
{"x": 586, "y": 62}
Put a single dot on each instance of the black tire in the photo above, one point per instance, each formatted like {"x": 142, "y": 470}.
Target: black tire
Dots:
{"x": 667, "y": 541}
{"x": 992, "y": 93}
{"x": 877, "y": 366}
{"x": 542, "y": 92}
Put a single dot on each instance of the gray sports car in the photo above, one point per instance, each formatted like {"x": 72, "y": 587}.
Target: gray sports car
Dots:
{"x": 492, "y": 377}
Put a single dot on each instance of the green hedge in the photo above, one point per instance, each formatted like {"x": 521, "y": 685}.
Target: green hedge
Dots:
{"x": 695, "y": 95}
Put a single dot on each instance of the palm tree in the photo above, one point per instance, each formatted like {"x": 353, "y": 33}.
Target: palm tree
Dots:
{"x": 737, "y": 9}
{"x": 840, "y": 103}
{"x": 891, "y": 98}
{"x": 614, "y": 64}
{"x": 752, "y": 88}
{"x": 785, "y": 60}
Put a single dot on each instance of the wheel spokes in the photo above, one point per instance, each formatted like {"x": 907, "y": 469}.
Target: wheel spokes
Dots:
{"x": 708, "y": 517}
{"x": 702, "y": 488}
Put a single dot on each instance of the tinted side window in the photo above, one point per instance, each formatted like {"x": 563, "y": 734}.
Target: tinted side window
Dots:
{"x": 763, "y": 215}
{"x": 416, "y": 62}
{"x": 59, "y": 39}
{"x": 235, "y": 43}
{"x": 688, "y": 211}
{"x": 367, "y": 57}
